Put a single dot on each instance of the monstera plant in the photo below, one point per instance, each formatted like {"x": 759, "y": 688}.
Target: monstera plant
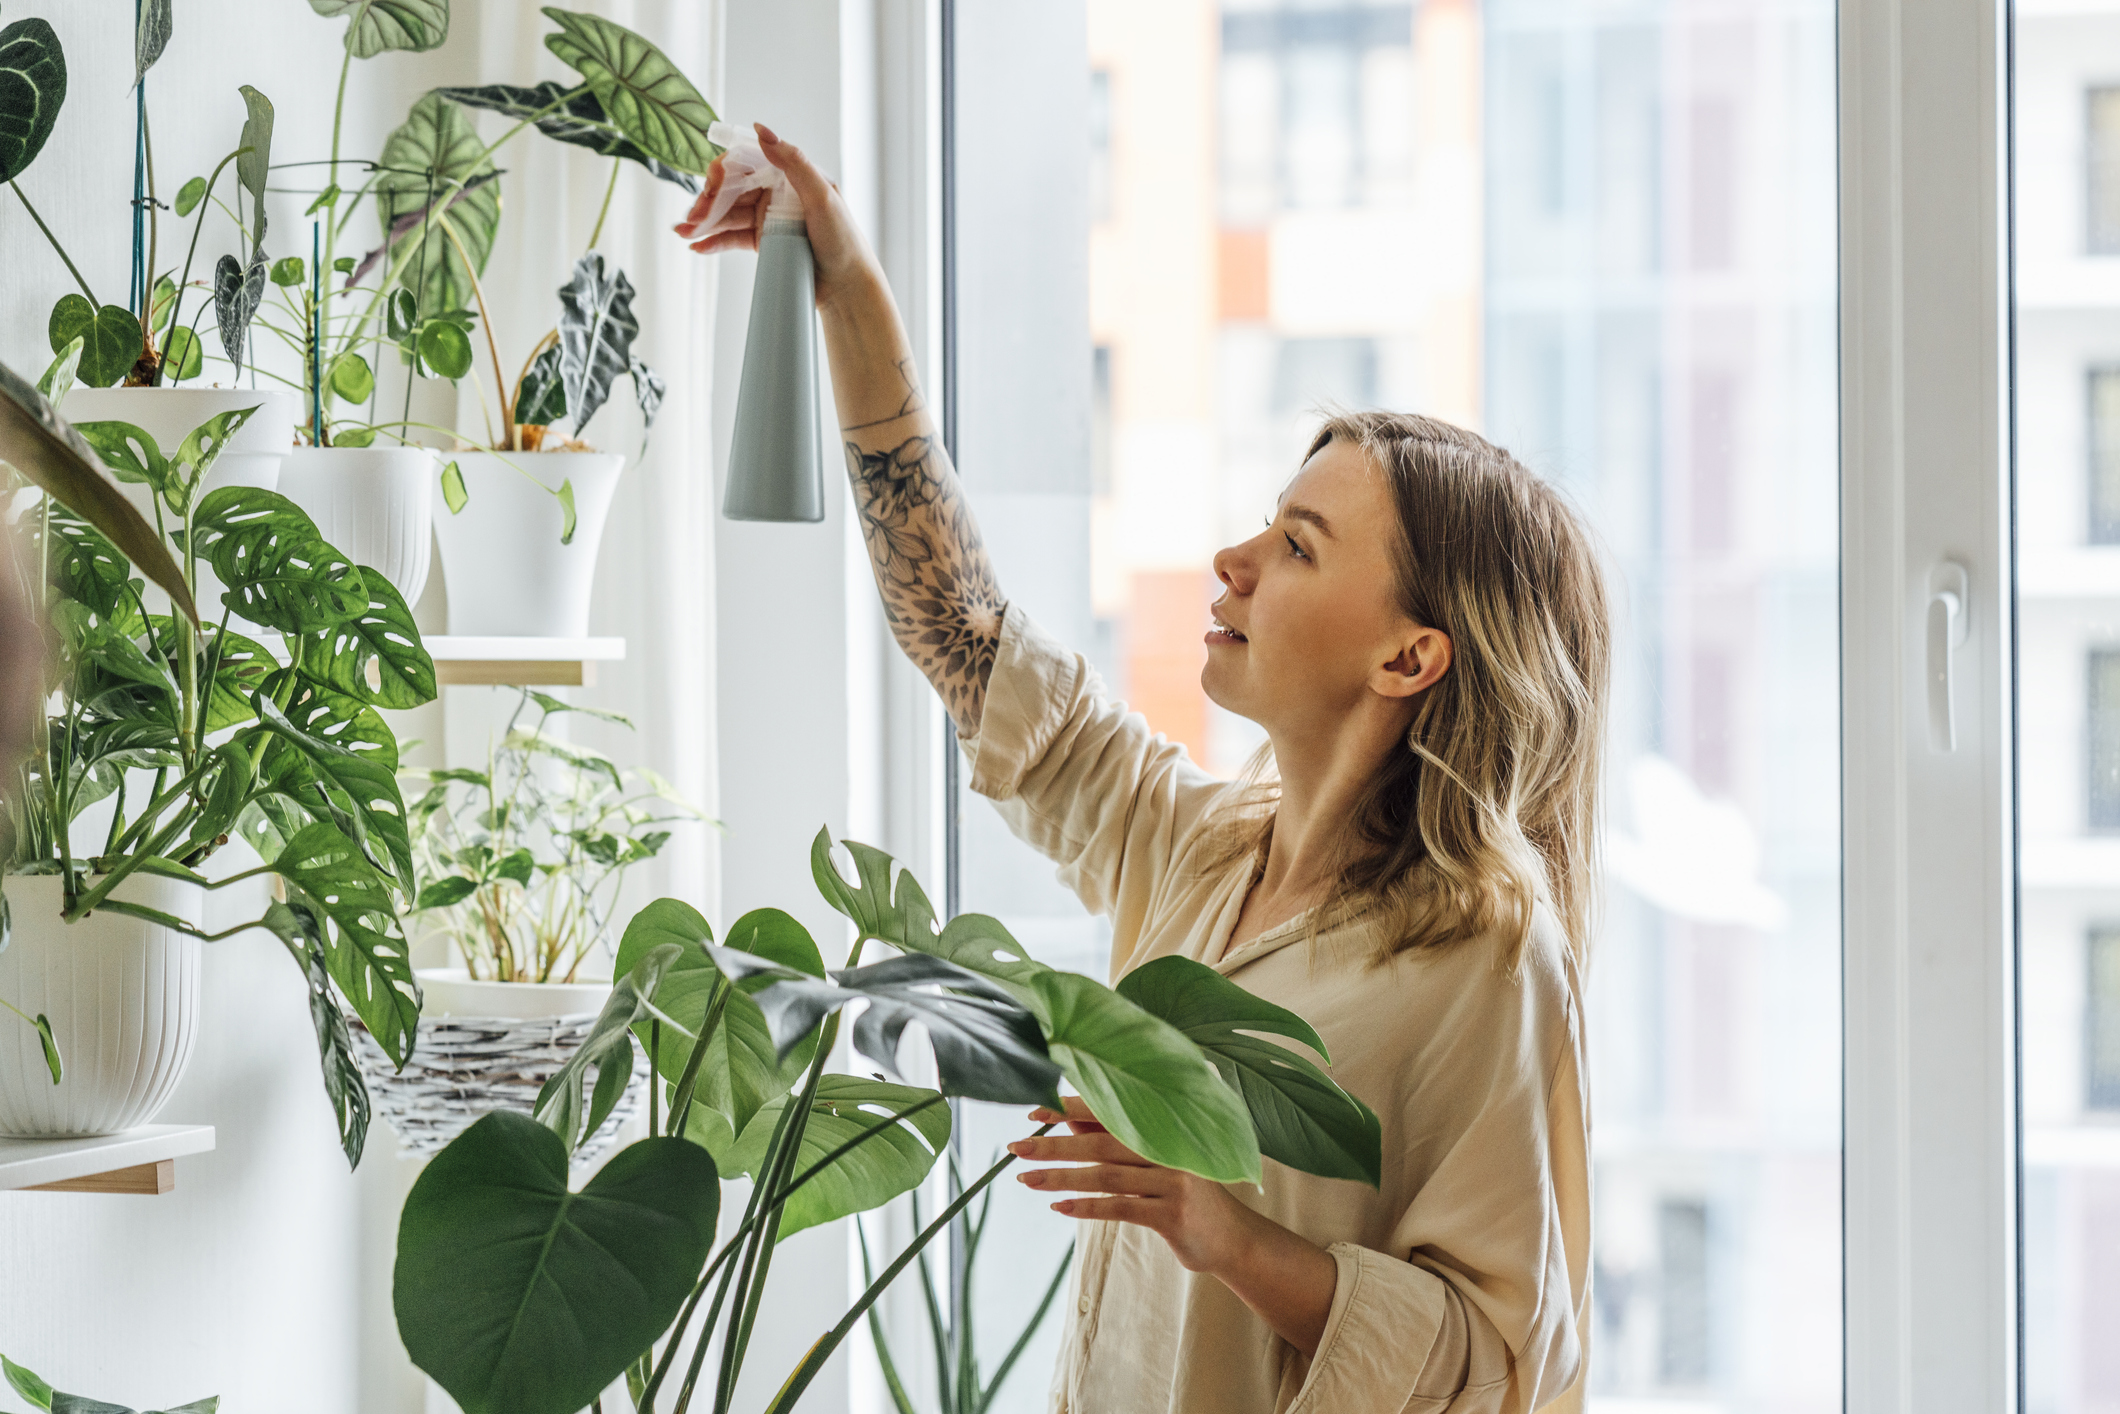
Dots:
{"x": 519, "y": 1294}
{"x": 195, "y": 735}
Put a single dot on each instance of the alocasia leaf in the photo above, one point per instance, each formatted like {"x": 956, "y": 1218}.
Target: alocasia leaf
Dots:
{"x": 647, "y": 97}
{"x": 238, "y": 289}
{"x": 151, "y": 36}
{"x": 597, "y": 328}
{"x": 254, "y": 164}
{"x": 32, "y": 88}
{"x": 541, "y": 400}
{"x": 389, "y": 24}
{"x": 579, "y": 119}
{"x": 432, "y": 160}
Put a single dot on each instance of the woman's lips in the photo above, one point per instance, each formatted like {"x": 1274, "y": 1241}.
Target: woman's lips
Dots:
{"x": 1221, "y": 634}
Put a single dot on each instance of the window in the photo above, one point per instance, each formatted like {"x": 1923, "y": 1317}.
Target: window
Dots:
{"x": 1682, "y": 1293}
{"x": 2102, "y": 439}
{"x": 2101, "y": 169}
{"x": 2101, "y": 676}
{"x": 2101, "y": 1019}
{"x": 1100, "y": 145}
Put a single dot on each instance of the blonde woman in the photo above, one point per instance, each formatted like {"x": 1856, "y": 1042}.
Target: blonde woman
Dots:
{"x": 1420, "y": 628}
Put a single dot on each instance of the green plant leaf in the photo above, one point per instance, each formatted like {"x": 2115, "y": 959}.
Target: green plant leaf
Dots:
{"x": 579, "y": 119}
{"x": 330, "y": 716}
{"x": 346, "y": 435}
{"x": 199, "y": 450}
{"x": 389, "y": 24}
{"x": 26, "y": 1382}
{"x": 742, "y": 1070}
{"x": 343, "y": 904}
{"x": 32, "y": 89}
{"x": 520, "y": 1297}
{"x": 240, "y": 668}
{"x": 344, "y": 1085}
{"x": 351, "y": 377}
{"x": 238, "y": 290}
{"x": 1302, "y": 1118}
{"x": 597, "y": 328}
{"x": 59, "y": 374}
{"x": 608, "y": 1048}
{"x": 326, "y": 199}
{"x": 190, "y": 195}
{"x": 111, "y": 337}
{"x": 431, "y": 160}
{"x": 445, "y": 893}
{"x": 647, "y": 97}
{"x": 454, "y": 495}
{"x": 253, "y": 167}
{"x": 278, "y": 570}
{"x": 382, "y": 641}
{"x": 151, "y": 36}
{"x": 184, "y": 357}
{"x": 987, "y": 1046}
{"x": 906, "y": 920}
{"x": 161, "y": 304}
{"x": 1145, "y": 1081}
{"x": 541, "y": 399}
{"x": 50, "y": 1045}
{"x": 289, "y": 271}
{"x": 888, "y": 1163}
{"x": 566, "y": 511}
{"x": 130, "y": 452}
{"x": 362, "y": 793}
{"x": 649, "y": 390}
{"x": 446, "y": 349}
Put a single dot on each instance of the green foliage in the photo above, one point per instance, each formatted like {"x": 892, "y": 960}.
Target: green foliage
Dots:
{"x": 570, "y": 115}
{"x": 518, "y": 1295}
{"x": 454, "y": 495}
{"x": 32, "y": 89}
{"x": 189, "y": 196}
{"x": 891, "y": 1162}
{"x": 597, "y": 328}
{"x": 446, "y": 350}
{"x": 647, "y": 97}
{"x": 238, "y": 290}
{"x": 568, "y": 519}
{"x": 278, "y": 569}
{"x": 111, "y": 338}
{"x": 151, "y": 36}
{"x": 352, "y": 378}
{"x": 541, "y": 397}
{"x": 429, "y": 167}
{"x": 183, "y": 355}
{"x": 380, "y": 25}
{"x": 608, "y": 1050}
{"x": 290, "y": 271}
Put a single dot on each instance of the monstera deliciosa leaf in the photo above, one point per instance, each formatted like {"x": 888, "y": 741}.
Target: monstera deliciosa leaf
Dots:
{"x": 569, "y": 115}
{"x": 389, "y": 24}
{"x": 433, "y": 156}
{"x": 647, "y": 97}
{"x": 517, "y": 1294}
{"x": 32, "y": 88}
{"x": 887, "y": 1163}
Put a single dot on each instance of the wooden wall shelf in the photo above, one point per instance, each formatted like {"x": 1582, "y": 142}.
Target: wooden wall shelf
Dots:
{"x": 516, "y": 662}
{"x": 140, "y": 1161}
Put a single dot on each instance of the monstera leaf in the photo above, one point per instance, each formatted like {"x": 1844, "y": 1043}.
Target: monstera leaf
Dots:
{"x": 521, "y": 1297}
{"x": 389, "y": 24}
{"x": 887, "y": 1163}
{"x": 578, "y": 119}
{"x": 434, "y": 154}
{"x": 304, "y": 933}
{"x": 596, "y": 333}
{"x": 382, "y": 639}
{"x": 906, "y": 920}
{"x": 646, "y": 96}
{"x": 343, "y": 906}
{"x": 279, "y": 571}
{"x": 609, "y": 1048}
{"x": 32, "y": 87}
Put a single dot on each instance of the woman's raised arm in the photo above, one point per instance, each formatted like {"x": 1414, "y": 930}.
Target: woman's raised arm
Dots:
{"x": 931, "y": 567}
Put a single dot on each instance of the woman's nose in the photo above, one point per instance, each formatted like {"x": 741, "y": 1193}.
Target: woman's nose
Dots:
{"x": 1234, "y": 568}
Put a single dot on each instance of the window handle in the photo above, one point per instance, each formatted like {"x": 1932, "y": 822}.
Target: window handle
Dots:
{"x": 1950, "y": 608}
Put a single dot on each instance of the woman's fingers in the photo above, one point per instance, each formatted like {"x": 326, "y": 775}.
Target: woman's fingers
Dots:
{"x": 1094, "y": 1148}
{"x": 1120, "y": 1209}
{"x": 809, "y": 183}
{"x": 1136, "y": 1179}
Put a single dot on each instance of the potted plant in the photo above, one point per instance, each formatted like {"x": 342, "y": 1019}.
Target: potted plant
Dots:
{"x": 40, "y": 1395}
{"x": 613, "y": 1279}
{"x": 168, "y": 739}
{"x": 507, "y": 576}
{"x": 519, "y": 867}
{"x": 135, "y": 356}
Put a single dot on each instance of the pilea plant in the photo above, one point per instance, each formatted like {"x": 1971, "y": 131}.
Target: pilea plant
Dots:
{"x": 520, "y": 863}
{"x": 517, "y": 1294}
{"x": 197, "y": 734}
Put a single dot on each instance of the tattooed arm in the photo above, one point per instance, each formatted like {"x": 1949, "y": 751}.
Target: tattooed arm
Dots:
{"x": 931, "y": 567}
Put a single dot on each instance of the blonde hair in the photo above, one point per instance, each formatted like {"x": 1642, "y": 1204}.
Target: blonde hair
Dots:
{"x": 1493, "y": 804}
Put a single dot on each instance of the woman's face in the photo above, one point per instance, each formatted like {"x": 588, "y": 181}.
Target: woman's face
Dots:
{"x": 1308, "y": 628}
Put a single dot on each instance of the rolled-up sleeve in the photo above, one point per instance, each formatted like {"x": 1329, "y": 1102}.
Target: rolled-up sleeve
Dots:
{"x": 1077, "y": 776}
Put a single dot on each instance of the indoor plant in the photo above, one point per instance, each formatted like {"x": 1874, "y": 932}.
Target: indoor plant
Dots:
{"x": 40, "y": 1395}
{"x": 519, "y": 866}
{"x": 190, "y": 735}
{"x": 517, "y": 1295}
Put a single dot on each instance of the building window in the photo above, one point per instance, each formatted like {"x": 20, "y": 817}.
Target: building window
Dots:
{"x": 2101, "y": 184}
{"x": 2101, "y": 1019}
{"x": 1682, "y": 1292}
{"x": 1310, "y": 373}
{"x": 1100, "y": 145}
{"x": 2102, "y": 693}
{"x": 1100, "y": 420}
{"x": 2102, "y": 438}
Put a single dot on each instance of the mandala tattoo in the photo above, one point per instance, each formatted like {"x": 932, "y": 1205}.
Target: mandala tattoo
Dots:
{"x": 939, "y": 594}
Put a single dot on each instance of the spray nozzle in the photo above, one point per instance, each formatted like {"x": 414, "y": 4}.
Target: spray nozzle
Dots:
{"x": 744, "y": 168}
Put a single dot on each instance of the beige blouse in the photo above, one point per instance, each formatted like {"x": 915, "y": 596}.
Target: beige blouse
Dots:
{"x": 1463, "y": 1283}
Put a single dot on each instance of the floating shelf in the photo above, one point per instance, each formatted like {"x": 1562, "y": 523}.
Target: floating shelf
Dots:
{"x": 516, "y": 662}
{"x": 141, "y": 1161}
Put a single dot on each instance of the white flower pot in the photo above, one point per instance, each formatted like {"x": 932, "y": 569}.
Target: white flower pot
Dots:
{"x": 251, "y": 458}
{"x": 451, "y": 992}
{"x": 508, "y": 574}
{"x": 123, "y": 998}
{"x": 375, "y": 504}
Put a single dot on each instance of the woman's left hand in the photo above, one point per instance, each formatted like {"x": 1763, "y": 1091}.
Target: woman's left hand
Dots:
{"x": 1204, "y": 1224}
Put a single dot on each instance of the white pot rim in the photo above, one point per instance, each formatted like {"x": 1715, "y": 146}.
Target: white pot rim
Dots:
{"x": 453, "y": 994}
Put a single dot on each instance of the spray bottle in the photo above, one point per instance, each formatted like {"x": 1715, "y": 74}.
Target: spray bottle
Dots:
{"x": 775, "y": 470}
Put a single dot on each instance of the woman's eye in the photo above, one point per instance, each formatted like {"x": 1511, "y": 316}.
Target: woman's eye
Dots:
{"x": 1293, "y": 548}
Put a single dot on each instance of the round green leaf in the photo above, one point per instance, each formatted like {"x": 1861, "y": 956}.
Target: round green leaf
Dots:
{"x": 429, "y": 161}
{"x": 446, "y": 349}
{"x": 186, "y": 355}
{"x": 32, "y": 87}
{"x": 351, "y": 377}
{"x": 644, "y": 95}
{"x": 289, "y": 271}
{"x": 352, "y": 436}
{"x": 190, "y": 195}
{"x": 520, "y": 1297}
{"x": 890, "y": 1162}
{"x": 111, "y": 338}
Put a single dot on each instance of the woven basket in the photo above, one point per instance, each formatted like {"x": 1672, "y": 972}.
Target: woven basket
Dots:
{"x": 464, "y": 1067}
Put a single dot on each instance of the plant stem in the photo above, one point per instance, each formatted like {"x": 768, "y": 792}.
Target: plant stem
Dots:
{"x": 88, "y": 293}
{"x": 154, "y": 222}
{"x": 654, "y": 1080}
{"x": 176, "y": 312}
{"x": 338, "y": 122}
{"x": 688, "y": 1081}
{"x": 830, "y": 1340}
{"x": 610, "y": 188}
{"x": 485, "y": 319}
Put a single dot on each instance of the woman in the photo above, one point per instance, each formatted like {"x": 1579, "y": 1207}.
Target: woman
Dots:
{"x": 1421, "y": 631}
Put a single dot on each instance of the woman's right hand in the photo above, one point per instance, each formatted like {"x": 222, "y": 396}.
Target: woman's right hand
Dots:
{"x": 845, "y": 265}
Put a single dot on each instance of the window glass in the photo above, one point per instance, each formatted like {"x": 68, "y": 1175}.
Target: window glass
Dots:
{"x": 2066, "y": 126}
{"x": 1603, "y": 236}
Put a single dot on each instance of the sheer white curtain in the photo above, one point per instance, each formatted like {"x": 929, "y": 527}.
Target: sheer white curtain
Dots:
{"x": 655, "y": 576}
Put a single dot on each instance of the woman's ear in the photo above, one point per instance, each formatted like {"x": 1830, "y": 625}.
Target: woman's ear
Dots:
{"x": 1420, "y": 665}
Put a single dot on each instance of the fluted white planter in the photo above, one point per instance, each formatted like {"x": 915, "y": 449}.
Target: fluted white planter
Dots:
{"x": 375, "y": 504}
{"x": 123, "y": 998}
{"x": 251, "y": 458}
{"x": 508, "y": 574}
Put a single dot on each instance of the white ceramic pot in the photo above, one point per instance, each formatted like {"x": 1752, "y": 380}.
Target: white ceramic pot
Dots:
{"x": 123, "y": 998}
{"x": 508, "y": 574}
{"x": 251, "y": 458}
{"x": 375, "y": 504}
{"x": 451, "y": 993}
